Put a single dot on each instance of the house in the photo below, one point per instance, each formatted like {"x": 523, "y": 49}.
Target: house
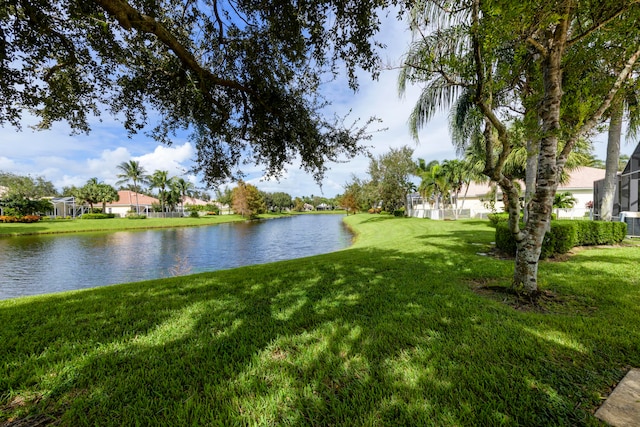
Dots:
{"x": 479, "y": 199}
{"x": 626, "y": 198}
{"x": 580, "y": 185}
{"x": 130, "y": 201}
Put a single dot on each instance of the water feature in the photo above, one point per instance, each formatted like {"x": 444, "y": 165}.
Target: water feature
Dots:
{"x": 31, "y": 265}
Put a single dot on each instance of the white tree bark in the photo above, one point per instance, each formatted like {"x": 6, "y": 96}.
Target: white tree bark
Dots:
{"x": 613, "y": 156}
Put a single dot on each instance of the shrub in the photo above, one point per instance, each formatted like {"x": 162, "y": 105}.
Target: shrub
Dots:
{"x": 212, "y": 213}
{"x": 398, "y": 212}
{"x": 136, "y": 216}
{"x": 194, "y": 214}
{"x": 504, "y": 239}
{"x": 496, "y": 218}
{"x": 24, "y": 219}
{"x": 566, "y": 234}
{"x": 98, "y": 216}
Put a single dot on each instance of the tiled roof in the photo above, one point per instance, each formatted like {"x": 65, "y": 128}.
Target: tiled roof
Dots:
{"x": 128, "y": 198}
{"x": 582, "y": 178}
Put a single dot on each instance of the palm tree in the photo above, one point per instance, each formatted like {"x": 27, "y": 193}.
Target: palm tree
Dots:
{"x": 160, "y": 180}
{"x": 434, "y": 183}
{"x": 184, "y": 188}
{"x": 108, "y": 194}
{"x": 624, "y": 102}
{"x": 132, "y": 171}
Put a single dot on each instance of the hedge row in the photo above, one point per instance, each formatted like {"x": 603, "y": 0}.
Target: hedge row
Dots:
{"x": 566, "y": 234}
{"x": 98, "y": 215}
{"x": 496, "y": 218}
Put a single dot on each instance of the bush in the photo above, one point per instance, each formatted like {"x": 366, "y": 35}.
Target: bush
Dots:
{"x": 566, "y": 234}
{"x": 398, "y": 212}
{"x": 496, "y": 218}
{"x": 504, "y": 239}
{"x": 136, "y": 216}
{"x": 97, "y": 216}
{"x": 194, "y": 214}
{"x": 24, "y": 219}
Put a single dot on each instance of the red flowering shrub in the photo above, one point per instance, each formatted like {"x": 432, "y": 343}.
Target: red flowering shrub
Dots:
{"x": 8, "y": 218}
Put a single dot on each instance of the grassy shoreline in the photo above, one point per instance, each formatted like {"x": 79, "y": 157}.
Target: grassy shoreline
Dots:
{"x": 117, "y": 224}
{"x": 403, "y": 328}
{"x": 120, "y": 224}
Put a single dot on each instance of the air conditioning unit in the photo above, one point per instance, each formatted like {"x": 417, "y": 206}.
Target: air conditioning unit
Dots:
{"x": 633, "y": 223}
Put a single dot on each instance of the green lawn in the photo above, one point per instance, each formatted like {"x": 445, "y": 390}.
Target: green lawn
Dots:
{"x": 392, "y": 331}
{"x": 111, "y": 224}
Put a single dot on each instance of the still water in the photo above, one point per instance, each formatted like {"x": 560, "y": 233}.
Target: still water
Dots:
{"x": 31, "y": 265}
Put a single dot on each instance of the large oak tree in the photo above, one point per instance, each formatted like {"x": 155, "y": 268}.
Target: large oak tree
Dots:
{"x": 239, "y": 76}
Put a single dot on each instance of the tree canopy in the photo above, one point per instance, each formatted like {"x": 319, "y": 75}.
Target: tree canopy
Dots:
{"x": 240, "y": 77}
{"x": 544, "y": 63}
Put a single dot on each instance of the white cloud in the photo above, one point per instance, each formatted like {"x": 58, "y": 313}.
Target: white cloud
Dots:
{"x": 170, "y": 158}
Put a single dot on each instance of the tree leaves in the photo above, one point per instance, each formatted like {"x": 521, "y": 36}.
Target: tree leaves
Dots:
{"x": 241, "y": 77}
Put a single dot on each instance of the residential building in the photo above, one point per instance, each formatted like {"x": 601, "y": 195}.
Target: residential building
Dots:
{"x": 130, "y": 201}
{"x": 627, "y": 195}
{"x": 479, "y": 199}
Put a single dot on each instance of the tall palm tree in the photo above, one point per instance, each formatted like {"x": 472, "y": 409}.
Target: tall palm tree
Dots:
{"x": 160, "y": 180}
{"x": 626, "y": 101}
{"x": 132, "y": 171}
{"x": 434, "y": 183}
{"x": 184, "y": 188}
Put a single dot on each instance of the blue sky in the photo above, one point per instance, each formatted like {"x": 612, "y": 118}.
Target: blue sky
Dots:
{"x": 68, "y": 159}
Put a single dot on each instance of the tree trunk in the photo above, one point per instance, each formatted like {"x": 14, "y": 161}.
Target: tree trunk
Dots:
{"x": 530, "y": 174}
{"x": 529, "y": 242}
{"x": 613, "y": 156}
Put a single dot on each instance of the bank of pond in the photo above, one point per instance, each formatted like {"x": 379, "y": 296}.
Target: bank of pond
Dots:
{"x": 39, "y": 264}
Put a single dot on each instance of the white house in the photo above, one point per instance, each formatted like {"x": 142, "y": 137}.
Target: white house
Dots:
{"x": 476, "y": 200}
{"x": 129, "y": 201}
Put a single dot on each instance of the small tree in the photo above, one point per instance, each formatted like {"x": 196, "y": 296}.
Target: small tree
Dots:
{"x": 107, "y": 194}
{"x": 390, "y": 175}
{"x": 247, "y": 200}
{"x": 18, "y": 205}
{"x": 89, "y": 193}
{"x": 281, "y": 200}
{"x": 349, "y": 201}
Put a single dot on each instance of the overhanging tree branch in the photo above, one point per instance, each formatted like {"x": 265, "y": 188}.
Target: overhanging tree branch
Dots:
{"x": 129, "y": 17}
{"x": 597, "y": 115}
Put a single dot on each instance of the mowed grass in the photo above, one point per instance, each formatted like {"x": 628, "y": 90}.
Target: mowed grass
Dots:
{"x": 388, "y": 332}
{"x": 112, "y": 224}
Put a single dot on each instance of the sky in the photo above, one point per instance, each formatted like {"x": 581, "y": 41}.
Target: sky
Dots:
{"x": 66, "y": 159}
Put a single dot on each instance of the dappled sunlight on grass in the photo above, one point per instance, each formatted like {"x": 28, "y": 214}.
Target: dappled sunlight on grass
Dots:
{"x": 557, "y": 337}
{"x": 388, "y": 332}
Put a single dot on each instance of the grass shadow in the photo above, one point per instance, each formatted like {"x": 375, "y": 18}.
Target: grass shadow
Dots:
{"x": 365, "y": 336}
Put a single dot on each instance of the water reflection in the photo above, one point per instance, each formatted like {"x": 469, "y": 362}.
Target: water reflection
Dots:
{"x": 32, "y": 265}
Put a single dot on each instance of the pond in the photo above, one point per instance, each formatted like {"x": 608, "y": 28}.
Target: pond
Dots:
{"x": 31, "y": 265}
